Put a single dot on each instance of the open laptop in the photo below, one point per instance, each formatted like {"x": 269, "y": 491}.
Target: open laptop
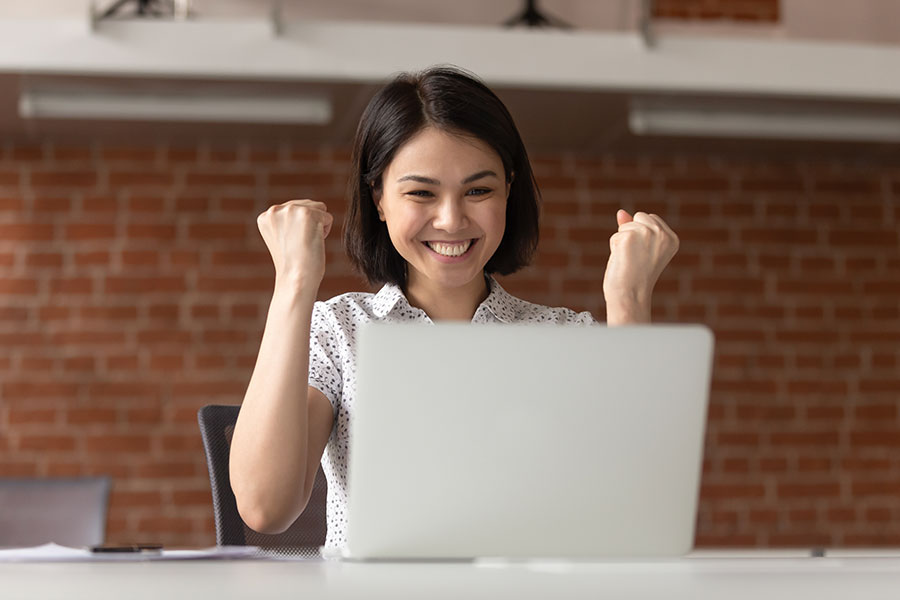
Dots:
{"x": 526, "y": 441}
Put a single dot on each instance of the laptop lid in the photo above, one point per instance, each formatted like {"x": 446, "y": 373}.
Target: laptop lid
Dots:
{"x": 527, "y": 441}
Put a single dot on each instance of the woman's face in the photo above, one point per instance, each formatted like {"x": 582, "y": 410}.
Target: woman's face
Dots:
{"x": 443, "y": 198}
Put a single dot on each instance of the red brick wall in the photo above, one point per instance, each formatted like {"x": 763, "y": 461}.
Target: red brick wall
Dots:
{"x": 761, "y": 11}
{"x": 133, "y": 290}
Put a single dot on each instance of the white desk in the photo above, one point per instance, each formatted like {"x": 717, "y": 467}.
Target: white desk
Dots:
{"x": 696, "y": 579}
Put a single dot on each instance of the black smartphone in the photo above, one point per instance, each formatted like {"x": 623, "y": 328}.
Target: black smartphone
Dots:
{"x": 150, "y": 548}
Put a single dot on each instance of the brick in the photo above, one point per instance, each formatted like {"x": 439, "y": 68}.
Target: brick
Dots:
{"x": 26, "y": 232}
{"x": 131, "y": 443}
{"x": 181, "y": 155}
{"x": 47, "y": 443}
{"x": 167, "y": 470}
{"x": 88, "y": 259}
{"x": 64, "y": 179}
{"x": 817, "y": 387}
{"x": 81, "y": 364}
{"x": 799, "y": 540}
{"x": 149, "y": 231}
{"x": 889, "y": 439}
{"x": 49, "y": 204}
{"x": 235, "y": 284}
{"x": 83, "y": 416}
{"x": 879, "y": 515}
{"x": 71, "y": 285}
{"x": 192, "y": 204}
{"x": 108, "y": 313}
{"x": 864, "y": 238}
{"x": 876, "y": 412}
{"x": 805, "y": 438}
{"x": 135, "y": 499}
{"x": 876, "y": 488}
{"x": 731, "y": 492}
{"x": 152, "y": 416}
{"x": 300, "y": 179}
{"x": 44, "y": 259}
{"x": 10, "y": 179}
{"x": 696, "y": 184}
{"x": 91, "y": 231}
{"x": 220, "y": 180}
{"x": 141, "y": 154}
{"x": 166, "y": 362}
{"x": 17, "y": 286}
{"x": 125, "y": 179}
{"x": 31, "y": 416}
{"x": 163, "y": 524}
{"x": 17, "y": 469}
{"x": 144, "y": 285}
{"x": 30, "y": 390}
{"x": 772, "y": 184}
{"x": 217, "y": 231}
{"x": 12, "y": 313}
{"x": 163, "y": 336}
{"x": 147, "y": 204}
{"x": 779, "y": 235}
{"x": 735, "y": 285}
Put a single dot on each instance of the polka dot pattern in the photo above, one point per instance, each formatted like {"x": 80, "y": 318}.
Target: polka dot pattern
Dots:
{"x": 332, "y": 365}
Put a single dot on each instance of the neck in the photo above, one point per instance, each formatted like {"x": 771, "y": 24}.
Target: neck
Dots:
{"x": 459, "y": 303}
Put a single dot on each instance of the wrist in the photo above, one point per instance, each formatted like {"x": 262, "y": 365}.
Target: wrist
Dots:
{"x": 297, "y": 287}
{"x": 627, "y": 310}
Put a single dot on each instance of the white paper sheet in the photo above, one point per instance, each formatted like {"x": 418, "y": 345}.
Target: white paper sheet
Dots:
{"x": 56, "y": 553}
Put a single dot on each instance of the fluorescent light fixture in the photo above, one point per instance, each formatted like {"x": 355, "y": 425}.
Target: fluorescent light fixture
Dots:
{"x": 193, "y": 107}
{"x": 764, "y": 122}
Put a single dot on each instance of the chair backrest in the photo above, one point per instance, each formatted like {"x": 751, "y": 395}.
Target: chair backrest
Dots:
{"x": 67, "y": 511}
{"x": 303, "y": 537}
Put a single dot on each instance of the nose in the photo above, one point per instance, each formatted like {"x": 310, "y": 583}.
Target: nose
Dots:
{"x": 450, "y": 215}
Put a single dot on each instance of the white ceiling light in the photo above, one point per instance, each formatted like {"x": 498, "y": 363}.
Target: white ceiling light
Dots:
{"x": 190, "y": 107}
{"x": 682, "y": 118}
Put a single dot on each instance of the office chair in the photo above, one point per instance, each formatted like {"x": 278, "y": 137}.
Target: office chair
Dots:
{"x": 67, "y": 511}
{"x": 302, "y": 538}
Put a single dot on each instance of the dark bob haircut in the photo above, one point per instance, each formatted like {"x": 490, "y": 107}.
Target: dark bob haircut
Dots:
{"x": 457, "y": 102}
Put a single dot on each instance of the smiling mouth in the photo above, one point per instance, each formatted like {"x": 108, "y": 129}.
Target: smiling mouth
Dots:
{"x": 450, "y": 249}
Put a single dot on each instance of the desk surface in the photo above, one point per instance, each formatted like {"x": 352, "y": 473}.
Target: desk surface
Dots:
{"x": 696, "y": 578}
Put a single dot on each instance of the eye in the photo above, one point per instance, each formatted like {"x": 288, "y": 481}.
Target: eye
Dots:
{"x": 420, "y": 193}
{"x": 479, "y": 191}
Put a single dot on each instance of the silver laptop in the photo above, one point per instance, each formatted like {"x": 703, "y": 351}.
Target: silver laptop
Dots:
{"x": 523, "y": 441}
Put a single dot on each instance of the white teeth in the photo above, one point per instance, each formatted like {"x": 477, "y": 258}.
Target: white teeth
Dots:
{"x": 448, "y": 249}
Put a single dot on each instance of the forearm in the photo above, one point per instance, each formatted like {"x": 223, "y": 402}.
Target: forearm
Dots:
{"x": 270, "y": 443}
{"x": 627, "y": 311}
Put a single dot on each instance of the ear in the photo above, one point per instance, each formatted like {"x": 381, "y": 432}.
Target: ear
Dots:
{"x": 376, "y": 198}
{"x": 509, "y": 180}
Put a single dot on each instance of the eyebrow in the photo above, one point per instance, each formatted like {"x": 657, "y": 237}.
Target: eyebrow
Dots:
{"x": 430, "y": 181}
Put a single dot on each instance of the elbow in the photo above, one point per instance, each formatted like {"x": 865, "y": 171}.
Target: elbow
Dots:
{"x": 258, "y": 518}
{"x": 264, "y": 519}
{"x": 266, "y": 516}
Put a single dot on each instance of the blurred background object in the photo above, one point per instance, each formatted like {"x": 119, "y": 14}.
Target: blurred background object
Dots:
{"x": 65, "y": 511}
{"x": 134, "y": 285}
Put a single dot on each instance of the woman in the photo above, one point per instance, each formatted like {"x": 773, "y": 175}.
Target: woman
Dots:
{"x": 441, "y": 197}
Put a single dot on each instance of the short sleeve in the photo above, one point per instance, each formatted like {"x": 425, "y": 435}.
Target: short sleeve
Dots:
{"x": 324, "y": 354}
{"x": 582, "y": 318}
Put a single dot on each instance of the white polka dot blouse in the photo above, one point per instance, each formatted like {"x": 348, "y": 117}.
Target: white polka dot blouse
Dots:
{"x": 332, "y": 365}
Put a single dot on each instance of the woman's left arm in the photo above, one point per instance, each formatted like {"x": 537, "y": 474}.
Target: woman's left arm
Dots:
{"x": 639, "y": 251}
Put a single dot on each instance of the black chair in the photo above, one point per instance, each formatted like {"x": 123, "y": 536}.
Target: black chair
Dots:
{"x": 303, "y": 538}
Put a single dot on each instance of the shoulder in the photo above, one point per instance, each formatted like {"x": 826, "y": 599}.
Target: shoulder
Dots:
{"x": 511, "y": 309}
{"x": 530, "y": 312}
{"x": 345, "y": 309}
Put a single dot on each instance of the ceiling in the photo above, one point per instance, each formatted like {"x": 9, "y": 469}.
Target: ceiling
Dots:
{"x": 551, "y": 121}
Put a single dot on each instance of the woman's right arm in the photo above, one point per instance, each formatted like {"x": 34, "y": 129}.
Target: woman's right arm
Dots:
{"x": 283, "y": 424}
